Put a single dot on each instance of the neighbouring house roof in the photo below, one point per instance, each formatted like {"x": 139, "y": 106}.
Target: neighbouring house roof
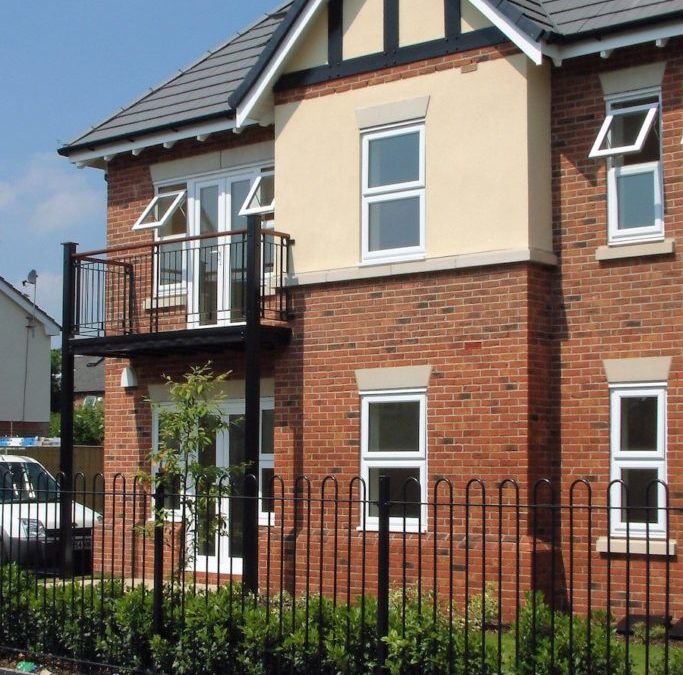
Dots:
{"x": 14, "y": 294}
{"x": 198, "y": 92}
{"x": 88, "y": 375}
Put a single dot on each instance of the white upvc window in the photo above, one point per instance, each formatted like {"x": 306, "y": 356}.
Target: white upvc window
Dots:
{"x": 394, "y": 444}
{"x": 161, "y": 209}
{"x": 170, "y": 262}
{"x": 638, "y": 459}
{"x": 393, "y": 194}
{"x": 630, "y": 140}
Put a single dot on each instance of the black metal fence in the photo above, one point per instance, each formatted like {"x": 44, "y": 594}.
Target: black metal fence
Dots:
{"x": 351, "y": 577}
{"x": 175, "y": 284}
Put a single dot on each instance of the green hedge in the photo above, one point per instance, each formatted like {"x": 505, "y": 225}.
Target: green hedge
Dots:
{"x": 224, "y": 632}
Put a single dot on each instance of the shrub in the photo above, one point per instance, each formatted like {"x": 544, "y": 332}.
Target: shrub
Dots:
{"x": 222, "y": 630}
{"x": 546, "y": 648}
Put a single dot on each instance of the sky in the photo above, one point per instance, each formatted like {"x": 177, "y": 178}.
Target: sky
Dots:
{"x": 64, "y": 66}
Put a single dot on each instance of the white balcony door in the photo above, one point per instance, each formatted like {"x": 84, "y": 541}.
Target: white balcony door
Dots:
{"x": 216, "y": 288}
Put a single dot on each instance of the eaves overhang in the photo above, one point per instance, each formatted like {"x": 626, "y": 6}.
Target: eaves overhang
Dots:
{"x": 99, "y": 153}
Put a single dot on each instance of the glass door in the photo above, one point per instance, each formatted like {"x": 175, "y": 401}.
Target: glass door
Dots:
{"x": 216, "y": 542}
{"x": 217, "y": 294}
{"x": 238, "y": 249}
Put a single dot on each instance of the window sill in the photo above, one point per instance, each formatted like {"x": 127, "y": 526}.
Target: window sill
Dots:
{"x": 391, "y": 259}
{"x": 625, "y": 250}
{"x": 164, "y": 302}
{"x": 637, "y": 546}
{"x": 410, "y": 528}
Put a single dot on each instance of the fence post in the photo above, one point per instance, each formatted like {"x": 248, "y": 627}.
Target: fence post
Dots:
{"x": 158, "y": 590}
{"x": 66, "y": 446}
{"x": 383, "y": 571}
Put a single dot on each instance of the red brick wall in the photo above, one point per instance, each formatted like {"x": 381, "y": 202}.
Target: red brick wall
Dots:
{"x": 517, "y": 387}
{"x": 617, "y": 309}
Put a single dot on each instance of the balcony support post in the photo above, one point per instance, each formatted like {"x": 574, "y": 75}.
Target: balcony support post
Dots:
{"x": 252, "y": 403}
{"x": 66, "y": 449}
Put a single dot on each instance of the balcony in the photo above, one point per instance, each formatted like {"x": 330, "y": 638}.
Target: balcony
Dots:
{"x": 186, "y": 294}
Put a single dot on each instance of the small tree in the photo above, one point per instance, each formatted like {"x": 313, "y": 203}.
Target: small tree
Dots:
{"x": 89, "y": 424}
{"x": 187, "y": 428}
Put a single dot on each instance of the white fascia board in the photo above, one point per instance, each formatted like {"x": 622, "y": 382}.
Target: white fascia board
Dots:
{"x": 262, "y": 88}
{"x": 96, "y": 157}
{"x": 606, "y": 44}
{"x": 531, "y": 48}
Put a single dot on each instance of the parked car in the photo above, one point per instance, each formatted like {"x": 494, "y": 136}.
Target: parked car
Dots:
{"x": 29, "y": 517}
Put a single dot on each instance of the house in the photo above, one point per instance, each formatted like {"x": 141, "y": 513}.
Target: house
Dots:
{"x": 88, "y": 380}
{"x": 25, "y": 334}
{"x": 467, "y": 261}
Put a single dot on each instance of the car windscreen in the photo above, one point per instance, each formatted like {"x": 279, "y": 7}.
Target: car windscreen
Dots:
{"x": 26, "y": 482}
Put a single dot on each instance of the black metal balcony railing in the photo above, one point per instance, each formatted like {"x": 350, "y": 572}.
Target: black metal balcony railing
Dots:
{"x": 190, "y": 282}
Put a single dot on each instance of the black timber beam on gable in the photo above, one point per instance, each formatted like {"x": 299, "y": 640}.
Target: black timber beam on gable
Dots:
{"x": 335, "y": 32}
{"x": 483, "y": 37}
{"x": 391, "y": 27}
{"x": 451, "y": 13}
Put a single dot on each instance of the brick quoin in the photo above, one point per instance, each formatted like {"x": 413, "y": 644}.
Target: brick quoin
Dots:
{"x": 517, "y": 388}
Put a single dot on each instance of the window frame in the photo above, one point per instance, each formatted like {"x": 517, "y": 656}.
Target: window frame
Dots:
{"x": 392, "y": 192}
{"x": 652, "y": 109}
{"x": 258, "y": 210}
{"x": 180, "y": 195}
{"x": 398, "y": 460}
{"x": 634, "y": 234}
{"x": 655, "y": 231}
{"x": 619, "y": 460}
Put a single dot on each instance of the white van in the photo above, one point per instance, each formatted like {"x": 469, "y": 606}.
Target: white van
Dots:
{"x": 29, "y": 517}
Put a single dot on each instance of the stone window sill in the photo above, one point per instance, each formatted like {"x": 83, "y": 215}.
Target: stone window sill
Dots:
{"x": 617, "y": 252}
{"x": 618, "y": 545}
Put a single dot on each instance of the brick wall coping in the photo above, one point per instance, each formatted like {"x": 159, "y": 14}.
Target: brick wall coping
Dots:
{"x": 486, "y": 258}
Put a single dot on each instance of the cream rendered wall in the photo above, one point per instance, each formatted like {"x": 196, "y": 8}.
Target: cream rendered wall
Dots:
{"x": 313, "y": 51}
{"x": 363, "y": 27}
{"x": 471, "y": 18}
{"x": 13, "y": 351}
{"x": 420, "y": 21}
{"x": 482, "y": 193}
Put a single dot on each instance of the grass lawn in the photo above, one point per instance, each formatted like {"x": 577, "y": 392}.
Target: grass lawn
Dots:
{"x": 636, "y": 653}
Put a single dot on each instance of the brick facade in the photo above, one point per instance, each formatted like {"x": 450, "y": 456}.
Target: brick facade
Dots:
{"x": 517, "y": 387}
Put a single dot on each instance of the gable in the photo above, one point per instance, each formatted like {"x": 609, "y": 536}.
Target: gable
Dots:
{"x": 18, "y": 306}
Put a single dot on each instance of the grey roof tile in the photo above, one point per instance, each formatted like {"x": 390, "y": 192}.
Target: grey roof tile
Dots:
{"x": 576, "y": 18}
{"x": 211, "y": 86}
{"x": 197, "y": 92}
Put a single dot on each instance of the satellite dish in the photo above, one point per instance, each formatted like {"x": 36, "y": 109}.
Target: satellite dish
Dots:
{"x": 31, "y": 277}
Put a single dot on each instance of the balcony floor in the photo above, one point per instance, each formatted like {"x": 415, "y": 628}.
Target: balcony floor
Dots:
{"x": 176, "y": 342}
